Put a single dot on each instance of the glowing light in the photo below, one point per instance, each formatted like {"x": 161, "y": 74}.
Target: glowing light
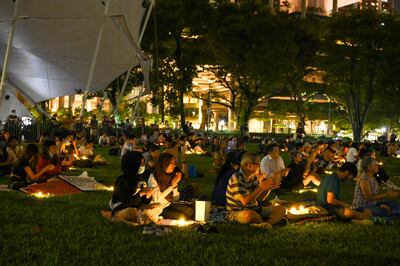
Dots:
{"x": 109, "y": 188}
{"x": 328, "y": 172}
{"x": 84, "y": 158}
{"x": 298, "y": 211}
{"x": 304, "y": 190}
{"x": 181, "y": 222}
{"x": 41, "y": 195}
{"x": 380, "y": 163}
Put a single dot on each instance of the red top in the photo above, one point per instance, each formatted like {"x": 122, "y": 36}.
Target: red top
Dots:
{"x": 44, "y": 162}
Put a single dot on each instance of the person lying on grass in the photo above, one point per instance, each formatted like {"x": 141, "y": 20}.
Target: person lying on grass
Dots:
{"x": 24, "y": 171}
{"x": 164, "y": 180}
{"x": 49, "y": 156}
{"x": 367, "y": 195}
{"x": 130, "y": 201}
{"x": 329, "y": 190}
{"x": 244, "y": 204}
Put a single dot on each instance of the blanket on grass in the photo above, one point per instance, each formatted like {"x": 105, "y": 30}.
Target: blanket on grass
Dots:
{"x": 53, "y": 187}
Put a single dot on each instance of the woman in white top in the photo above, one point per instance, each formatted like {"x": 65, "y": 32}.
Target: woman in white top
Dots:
{"x": 164, "y": 180}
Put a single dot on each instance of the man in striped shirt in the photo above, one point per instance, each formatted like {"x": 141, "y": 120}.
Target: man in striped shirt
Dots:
{"x": 244, "y": 190}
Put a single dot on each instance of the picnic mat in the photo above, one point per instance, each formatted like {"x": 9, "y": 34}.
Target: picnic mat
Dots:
{"x": 53, "y": 187}
{"x": 4, "y": 188}
{"x": 83, "y": 182}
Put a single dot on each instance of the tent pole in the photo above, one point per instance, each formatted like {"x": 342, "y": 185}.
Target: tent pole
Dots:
{"x": 8, "y": 50}
{"x": 43, "y": 112}
{"x": 94, "y": 60}
{"x": 135, "y": 114}
{"x": 121, "y": 94}
{"x": 145, "y": 21}
{"x": 132, "y": 66}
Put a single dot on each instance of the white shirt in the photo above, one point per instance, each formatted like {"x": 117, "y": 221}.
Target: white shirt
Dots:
{"x": 160, "y": 197}
{"x": 85, "y": 152}
{"x": 270, "y": 166}
{"x": 351, "y": 155}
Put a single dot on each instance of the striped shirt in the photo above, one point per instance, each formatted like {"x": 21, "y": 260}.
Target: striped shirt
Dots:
{"x": 239, "y": 186}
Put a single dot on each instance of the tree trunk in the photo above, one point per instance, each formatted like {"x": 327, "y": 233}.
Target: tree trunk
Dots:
{"x": 357, "y": 126}
{"x": 181, "y": 108}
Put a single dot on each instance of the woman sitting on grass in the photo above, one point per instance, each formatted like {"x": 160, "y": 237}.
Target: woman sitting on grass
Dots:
{"x": 130, "y": 197}
{"x": 49, "y": 156}
{"x": 366, "y": 193}
{"x": 231, "y": 166}
{"x": 24, "y": 171}
{"x": 164, "y": 181}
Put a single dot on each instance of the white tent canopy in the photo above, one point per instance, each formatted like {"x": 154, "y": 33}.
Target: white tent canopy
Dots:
{"x": 54, "y": 43}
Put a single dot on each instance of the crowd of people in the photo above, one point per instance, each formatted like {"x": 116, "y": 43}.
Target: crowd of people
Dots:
{"x": 155, "y": 174}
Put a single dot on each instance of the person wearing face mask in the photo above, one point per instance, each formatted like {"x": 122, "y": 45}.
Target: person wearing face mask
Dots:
{"x": 131, "y": 198}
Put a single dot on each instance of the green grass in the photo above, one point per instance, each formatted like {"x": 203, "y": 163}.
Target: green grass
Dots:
{"x": 70, "y": 230}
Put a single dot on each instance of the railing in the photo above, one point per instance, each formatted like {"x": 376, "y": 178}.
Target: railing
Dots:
{"x": 32, "y": 132}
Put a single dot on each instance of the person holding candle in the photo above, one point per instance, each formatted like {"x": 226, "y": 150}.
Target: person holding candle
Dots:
{"x": 329, "y": 190}
{"x": 247, "y": 189}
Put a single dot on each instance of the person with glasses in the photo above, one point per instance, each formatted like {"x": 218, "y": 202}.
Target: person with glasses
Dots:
{"x": 247, "y": 189}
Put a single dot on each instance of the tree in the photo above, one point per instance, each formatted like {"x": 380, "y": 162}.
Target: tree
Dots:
{"x": 354, "y": 45}
{"x": 303, "y": 79}
{"x": 113, "y": 91}
{"x": 251, "y": 46}
{"x": 180, "y": 26}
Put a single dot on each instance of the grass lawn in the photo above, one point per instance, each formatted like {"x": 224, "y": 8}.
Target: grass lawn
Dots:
{"x": 70, "y": 230}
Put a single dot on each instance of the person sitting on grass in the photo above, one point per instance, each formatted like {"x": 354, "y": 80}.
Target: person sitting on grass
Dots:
{"x": 273, "y": 163}
{"x": 329, "y": 190}
{"x": 86, "y": 150}
{"x": 24, "y": 171}
{"x": 6, "y": 161}
{"x": 243, "y": 201}
{"x": 231, "y": 165}
{"x": 129, "y": 200}
{"x": 129, "y": 145}
{"x": 164, "y": 181}
{"x": 366, "y": 192}
{"x": 296, "y": 177}
{"x": 104, "y": 140}
{"x": 49, "y": 156}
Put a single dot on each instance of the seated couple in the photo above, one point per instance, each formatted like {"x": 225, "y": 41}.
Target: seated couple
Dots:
{"x": 367, "y": 201}
{"x": 32, "y": 167}
{"x": 135, "y": 203}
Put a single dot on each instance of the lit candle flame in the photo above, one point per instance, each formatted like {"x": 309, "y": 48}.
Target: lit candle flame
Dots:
{"x": 41, "y": 195}
{"x": 304, "y": 190}
{"x": 298, "y": 211}
{"x": 109, "y": 188}
{"x": 181, "y": 222}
